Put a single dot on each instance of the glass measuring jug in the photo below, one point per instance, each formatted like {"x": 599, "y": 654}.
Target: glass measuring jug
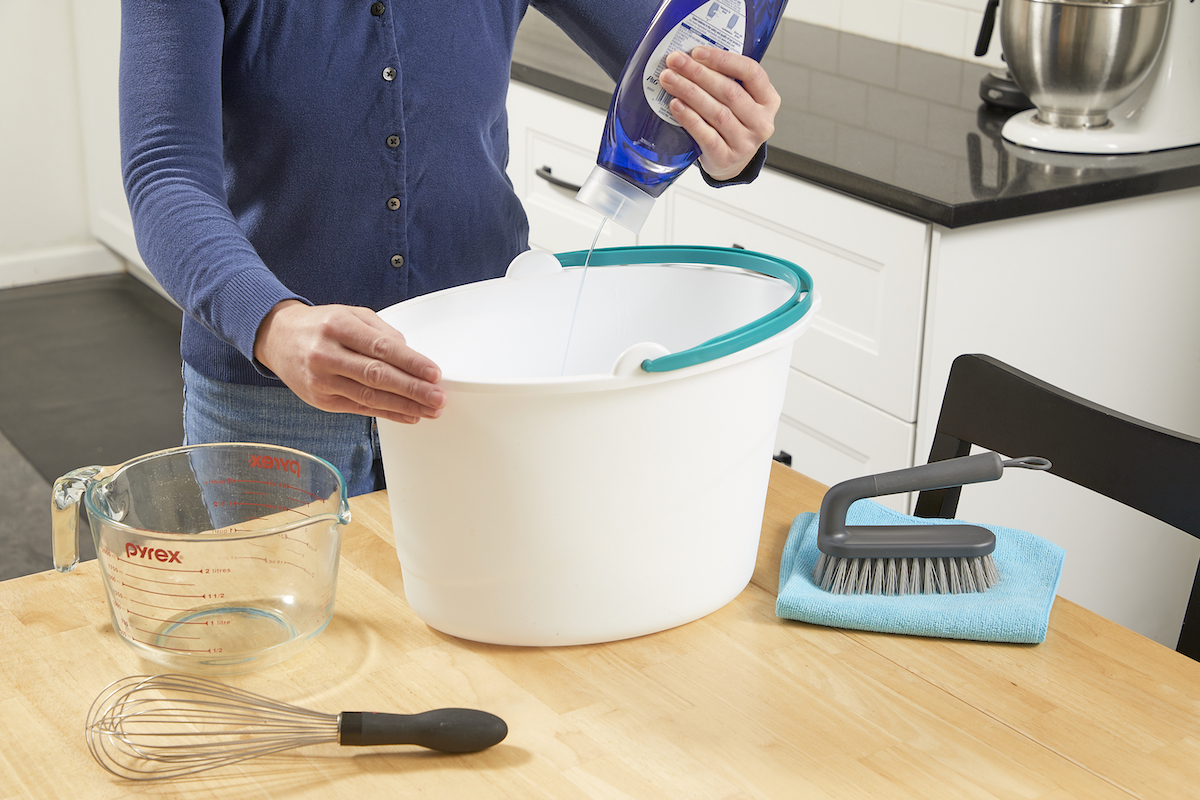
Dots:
{"x": 217, "y": 558}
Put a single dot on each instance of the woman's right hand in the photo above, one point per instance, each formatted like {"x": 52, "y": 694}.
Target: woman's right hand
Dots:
{"x": 346, "y": 359}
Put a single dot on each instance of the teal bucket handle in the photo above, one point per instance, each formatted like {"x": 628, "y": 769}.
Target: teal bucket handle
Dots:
{"x": 762, "y": 328}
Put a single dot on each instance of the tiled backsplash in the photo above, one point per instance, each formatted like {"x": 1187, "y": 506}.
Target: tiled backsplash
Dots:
{"x": 948, "y": 27}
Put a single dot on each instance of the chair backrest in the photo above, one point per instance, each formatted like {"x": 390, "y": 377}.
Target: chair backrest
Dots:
{"x": 1153, "y": 469}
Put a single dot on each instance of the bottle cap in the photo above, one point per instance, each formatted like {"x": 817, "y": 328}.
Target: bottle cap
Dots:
{"x": 616, "y": 198}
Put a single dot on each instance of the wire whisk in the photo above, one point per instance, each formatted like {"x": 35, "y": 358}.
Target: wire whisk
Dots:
{"x": 150, "y": 727}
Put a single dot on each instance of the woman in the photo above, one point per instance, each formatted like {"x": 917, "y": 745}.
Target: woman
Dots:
{"x": 292, "y": 168}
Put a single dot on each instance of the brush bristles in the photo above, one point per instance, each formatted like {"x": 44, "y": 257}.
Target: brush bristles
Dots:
{"x": 901, "y": 576}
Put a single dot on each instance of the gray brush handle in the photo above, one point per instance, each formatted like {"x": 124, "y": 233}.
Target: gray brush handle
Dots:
{"x": 835, "y": 539}
{"x": 450, "y": 730}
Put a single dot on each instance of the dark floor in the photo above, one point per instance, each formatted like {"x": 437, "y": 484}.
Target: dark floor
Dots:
{"x": 90, "y": 376}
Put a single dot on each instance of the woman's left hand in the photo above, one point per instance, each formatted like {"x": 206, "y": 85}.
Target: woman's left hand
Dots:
{"x": 726, "y": 102}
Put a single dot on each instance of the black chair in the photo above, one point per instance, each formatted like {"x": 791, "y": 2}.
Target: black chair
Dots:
{"x": 1155, "y": 470}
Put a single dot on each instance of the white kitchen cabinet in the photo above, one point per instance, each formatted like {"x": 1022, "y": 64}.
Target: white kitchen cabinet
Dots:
{"x": 869, "y": 266}
{"x": 1100, "y": 301}
{"x": 826, "y": 431}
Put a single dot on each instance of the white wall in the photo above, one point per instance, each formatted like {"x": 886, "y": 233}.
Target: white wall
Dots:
{"x": 44, "y": 232}
{"x": 948, "y": 27}
{"x": 1099, "y": 301}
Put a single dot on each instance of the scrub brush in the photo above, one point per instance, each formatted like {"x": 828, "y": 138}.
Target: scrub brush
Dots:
{"x": 909, "y": 559}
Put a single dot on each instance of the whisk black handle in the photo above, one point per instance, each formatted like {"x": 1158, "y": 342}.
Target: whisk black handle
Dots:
{"x": 450, "y": 730}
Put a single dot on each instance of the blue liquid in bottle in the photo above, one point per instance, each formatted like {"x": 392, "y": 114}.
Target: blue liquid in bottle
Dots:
{"x": 644, "y": 149}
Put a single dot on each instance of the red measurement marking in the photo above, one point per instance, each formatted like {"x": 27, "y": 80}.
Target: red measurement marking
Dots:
{"x": 168, "y": 621}
{"x": 279, "y": 562}
{"x": 277, "y": 485}
{"x": 292, "y": 550}
{"x": 160, "y": 594}
{"x": 168, "y": 635}
{"x": 296, "y": 503}
{"x": 150, "y": 566}
{"x": 272, "y": 484}
{"x": 162, "y": 583}
{"x": 238, "y": 504}
{"x": 213, "y": 650}
{"x": 151, "y": 605}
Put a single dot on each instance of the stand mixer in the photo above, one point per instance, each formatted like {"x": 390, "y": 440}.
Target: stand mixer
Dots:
{"x": 1119, "y": 97}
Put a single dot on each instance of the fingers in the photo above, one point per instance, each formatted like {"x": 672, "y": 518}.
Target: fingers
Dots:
{"x": 743, "y": 69}
{"x": 388, "y": 372}
{"x": 376, "y": 370}
{"x": 346, "y": 359}
{"x": 405, "y": 357}
{"x": 726, "y": 102}
{"x": 710, "y": 78}
{"x": 345, "y": 395}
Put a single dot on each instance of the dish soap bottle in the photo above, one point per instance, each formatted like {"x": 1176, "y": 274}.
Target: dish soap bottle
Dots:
{"x": 644, "y": 149}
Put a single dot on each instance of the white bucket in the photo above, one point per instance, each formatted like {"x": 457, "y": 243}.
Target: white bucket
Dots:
{"x": 554, "y": 508}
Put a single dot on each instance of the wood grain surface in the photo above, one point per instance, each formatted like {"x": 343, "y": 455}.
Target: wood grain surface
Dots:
{"x": 739, "y": 704}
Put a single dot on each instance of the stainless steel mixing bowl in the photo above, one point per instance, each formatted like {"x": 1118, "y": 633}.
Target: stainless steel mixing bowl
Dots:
{"x": 1078, "y": 59}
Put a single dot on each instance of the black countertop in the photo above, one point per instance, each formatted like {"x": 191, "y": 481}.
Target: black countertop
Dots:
{"x": 892, "y": 125}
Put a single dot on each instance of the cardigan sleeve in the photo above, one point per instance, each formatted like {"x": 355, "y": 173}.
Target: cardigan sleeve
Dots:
{"x": 607, "y": 30}
{"x": 173, "y": 169}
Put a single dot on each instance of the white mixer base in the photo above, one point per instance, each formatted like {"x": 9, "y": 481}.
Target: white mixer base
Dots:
{"x": 1118, "y": 138}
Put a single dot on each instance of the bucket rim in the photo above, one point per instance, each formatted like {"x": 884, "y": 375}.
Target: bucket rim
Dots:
{"x": 776, "y": 329}
{"x": 765, "y": 327}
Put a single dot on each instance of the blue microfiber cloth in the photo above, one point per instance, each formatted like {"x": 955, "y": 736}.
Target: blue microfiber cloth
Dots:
{"x": 1015, "y": 610}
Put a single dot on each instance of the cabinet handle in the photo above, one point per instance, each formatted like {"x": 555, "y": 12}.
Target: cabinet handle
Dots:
{"x": 545, "y": 173}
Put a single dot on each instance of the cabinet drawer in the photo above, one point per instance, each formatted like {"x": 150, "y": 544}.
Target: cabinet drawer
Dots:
{"x": 869, "y": 265}
{"x": 832, "y": 437}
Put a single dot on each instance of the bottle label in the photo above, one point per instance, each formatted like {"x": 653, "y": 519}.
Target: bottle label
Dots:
{"x": 714, "y": 23}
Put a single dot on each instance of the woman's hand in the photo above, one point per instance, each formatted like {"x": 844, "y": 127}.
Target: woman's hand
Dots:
{"x": 347, "y": 359}
{"x": 726, "y": 102}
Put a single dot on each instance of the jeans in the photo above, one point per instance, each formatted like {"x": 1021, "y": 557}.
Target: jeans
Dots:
{"x": 227, "y": 412}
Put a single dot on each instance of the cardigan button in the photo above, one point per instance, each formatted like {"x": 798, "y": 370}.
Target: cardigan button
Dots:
{"x": 389, "y": 74}
{"x": 393, "y": 203}
{"x": 377, "y": 9}
{"x": 393, "y": 141}
{"x": 397, "y": 261}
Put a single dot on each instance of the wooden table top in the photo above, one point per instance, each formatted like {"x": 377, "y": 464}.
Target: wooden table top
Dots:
{"x": 739, "y": 704}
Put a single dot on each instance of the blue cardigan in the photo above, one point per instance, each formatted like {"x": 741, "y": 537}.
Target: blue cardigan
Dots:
{"x": 328, "y": 151}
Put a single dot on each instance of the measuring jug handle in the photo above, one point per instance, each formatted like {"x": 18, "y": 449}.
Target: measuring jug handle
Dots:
{"x": 65, "y": 511}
